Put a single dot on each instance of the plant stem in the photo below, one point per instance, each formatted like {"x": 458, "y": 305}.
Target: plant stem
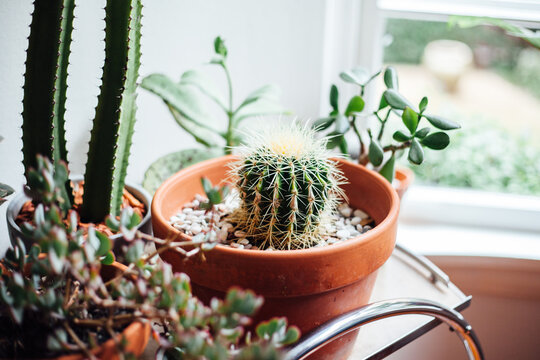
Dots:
{"x": 230, "y": 112}
{"x": 395, "y": 148}
{"x": 383, "y": 123}
{"x": 355, "y": 128}
{"x": 101, "y": 322}
{"x": 79, "y": 342}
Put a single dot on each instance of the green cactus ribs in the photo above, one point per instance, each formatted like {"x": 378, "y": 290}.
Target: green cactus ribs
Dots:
{"x": 287, "y": 186}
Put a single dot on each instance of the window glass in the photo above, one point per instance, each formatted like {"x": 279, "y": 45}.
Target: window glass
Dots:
{"x": 486, "y": 80}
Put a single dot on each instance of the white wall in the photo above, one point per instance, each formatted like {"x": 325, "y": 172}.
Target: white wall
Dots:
{"x": 270, "y": 41}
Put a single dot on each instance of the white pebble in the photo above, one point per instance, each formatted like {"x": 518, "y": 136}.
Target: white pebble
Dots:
{"x": 343, "y": 233}
{"x": 356, "y": 220}
{"x": 359, "y": 213}
{"x": 243, "y": 241}
{"x": 239, "y": 233}
{"x": 187, "y": 210}
{"x": 359, "y": 228}
{"x": 196, "y": 229}
{"x": 345, "y": 211}
{"x": 223, "y": 234}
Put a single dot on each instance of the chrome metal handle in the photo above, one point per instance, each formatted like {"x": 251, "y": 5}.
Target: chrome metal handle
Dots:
{"x": 435, "y": 273}
{"x": 381, "y": 310}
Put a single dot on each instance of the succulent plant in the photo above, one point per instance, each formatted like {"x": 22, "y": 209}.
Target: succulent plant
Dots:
{"x": 45, "y": 91}
{"x": 55, "y": 300}
{"x": 287, "y": 185}
{"x": 412, "y": 138}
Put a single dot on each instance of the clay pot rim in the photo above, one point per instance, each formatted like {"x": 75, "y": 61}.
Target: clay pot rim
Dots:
{"x": 405, "y": 176}
{"x": 140, "y": 193}
{"x": 348, "y": 245}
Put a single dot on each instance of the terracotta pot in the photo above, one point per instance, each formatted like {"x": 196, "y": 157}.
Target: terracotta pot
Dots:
{"x": 16, "y": 203}
{"x": 309, "y": 286}
{"x": 405, "y": 177}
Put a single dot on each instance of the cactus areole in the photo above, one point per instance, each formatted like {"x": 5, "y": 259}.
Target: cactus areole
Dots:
{"x": 287, "y": 185}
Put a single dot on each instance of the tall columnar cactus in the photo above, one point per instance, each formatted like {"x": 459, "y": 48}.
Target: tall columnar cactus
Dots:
{"x": 115, "y": 110}
{"x": 45, "y": 83}
{"x": 287, "y": 185}
{"x": 45, "y": 95}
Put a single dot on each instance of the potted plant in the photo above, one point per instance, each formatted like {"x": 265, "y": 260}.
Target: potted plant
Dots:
{"x": 413, "y": 139}
{"x": 188, "y": 100}
{"x": 45, "y": 91}
{"x": 66, "y": 298}
{"x": 288, "y": 188}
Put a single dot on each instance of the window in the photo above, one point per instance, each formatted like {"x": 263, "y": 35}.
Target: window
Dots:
{"x": 495, "y": 96}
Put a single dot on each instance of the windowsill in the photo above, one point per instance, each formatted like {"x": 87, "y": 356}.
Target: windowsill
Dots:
{"x": 443, "y": 221}
{"x": 455, "y": 240}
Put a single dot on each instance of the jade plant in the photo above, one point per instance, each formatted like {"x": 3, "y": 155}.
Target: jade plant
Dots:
{"x": 413, "y": 138}
{"x": 288, "y": 185}
{"x": 45, "y": 92}
{"x": 60, "y": 297}
{"x": 188, "y": 99}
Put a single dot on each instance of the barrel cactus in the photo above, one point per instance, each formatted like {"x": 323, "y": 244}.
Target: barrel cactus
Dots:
{"x": 288, "y": 185}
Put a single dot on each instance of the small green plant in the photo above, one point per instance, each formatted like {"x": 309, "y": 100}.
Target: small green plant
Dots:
{"x": 413, "y": 138}
{"x": 45, "y": 92}
{"x": 188, "y": 108}
{"x": 215, "y": 194}
{"x": 287, "y": 185}
{"x": 56, "y": 297}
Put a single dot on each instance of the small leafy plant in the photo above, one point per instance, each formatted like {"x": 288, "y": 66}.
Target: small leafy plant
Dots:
{"x": 186, "y": 102}
{"x": 60, "y": 296}
{"x": 413, "y": 139}
{"x": 288, "y": 185}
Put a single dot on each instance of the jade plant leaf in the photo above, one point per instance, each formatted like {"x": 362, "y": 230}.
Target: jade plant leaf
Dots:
{"x": 396, "y": 100}
{"x": 334, "y": 98}
{"x": 416, "y": 153}
{"x": 442, "y": 123}
{"x": 400, "y": 136}
{"x": 376, "y": 154}
{"x": 436, "y": 141}
{"x": 387, "y": 171}
{"x": 410, "y": 119}
{"x": 356, "y": 105}
{"x": 390, "y": 78}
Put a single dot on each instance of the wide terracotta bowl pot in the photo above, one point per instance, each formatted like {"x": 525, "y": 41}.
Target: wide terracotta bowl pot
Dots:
{"x": 136, "y": 334}
{"x": 309, "y": 286}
